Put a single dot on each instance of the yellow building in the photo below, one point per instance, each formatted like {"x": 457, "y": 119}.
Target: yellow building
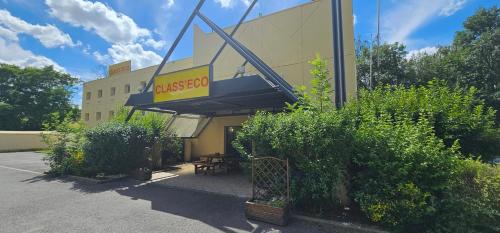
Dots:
{"x": 284, "y": 40}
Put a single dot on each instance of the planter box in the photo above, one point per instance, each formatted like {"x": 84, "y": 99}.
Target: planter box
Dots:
{"x": 266, "y": 213}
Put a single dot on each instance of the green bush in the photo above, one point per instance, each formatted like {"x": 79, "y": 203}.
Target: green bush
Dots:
{"x": 64, "y": 155}
{"x": 114, "y": 148}
{"x": 155, "y": 124}
{"x": 409, "y": 144}
{"x": 401, "y": 172}
{"x": 316, "y": 146}
{"x": 313, "y": 137}
{"x": 404, "y": 155}
{"x": 472, "y": 204}
{"x": 453, "y": 114}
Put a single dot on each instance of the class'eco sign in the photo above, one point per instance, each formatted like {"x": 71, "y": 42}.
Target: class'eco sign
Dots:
{"x": 184, "y": 84}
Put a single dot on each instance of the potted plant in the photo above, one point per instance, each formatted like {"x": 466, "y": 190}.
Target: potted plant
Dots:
{"x": 142, "y": 173}
{"x": 275, "y": 211}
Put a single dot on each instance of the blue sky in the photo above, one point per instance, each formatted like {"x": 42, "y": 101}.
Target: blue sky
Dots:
{"x": 81, "y": 37}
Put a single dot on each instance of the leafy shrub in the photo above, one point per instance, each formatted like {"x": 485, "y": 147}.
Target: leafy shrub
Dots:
{"x": 316, "y": 146}
{"x": 113, "y": 148}
{"x": 472, "y": 204}
{"x": 64, "y": 155}
{"x": 313, "y": 137}
{"x": 453, "y": 114}
{"x": 406, "y": 153}
{"x": 156, "y": 126}
{"x": 401, "y": 172}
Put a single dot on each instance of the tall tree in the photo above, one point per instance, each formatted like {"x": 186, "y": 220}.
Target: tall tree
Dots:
{"x": 392, "y": 64}
{"x": 472, "y": 60}
{"x": 478, "y": 47}
{"x": 30, "y": 96}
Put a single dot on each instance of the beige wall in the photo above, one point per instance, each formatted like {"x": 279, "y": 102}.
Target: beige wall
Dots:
{"x": 108, "y": 103}
{"x": 286, "y": 41}
{"x": 211, "y": 139}
{"x": 21, "y": 140}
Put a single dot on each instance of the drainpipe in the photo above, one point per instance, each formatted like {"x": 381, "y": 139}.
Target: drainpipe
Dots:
{"x": 338, "y": 54}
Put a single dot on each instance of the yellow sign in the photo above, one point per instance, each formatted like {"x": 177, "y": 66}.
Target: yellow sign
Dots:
{"x": 184, "y": 84}
{"x": 122, "y": 67}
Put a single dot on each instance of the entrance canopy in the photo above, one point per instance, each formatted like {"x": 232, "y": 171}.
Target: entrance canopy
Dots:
{"x": 230, "y": 96}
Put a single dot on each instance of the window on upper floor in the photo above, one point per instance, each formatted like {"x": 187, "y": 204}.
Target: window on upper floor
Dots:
{"x": 99, "y": 93}
{"x": 87, "y": 116}
{"x": 98, "y": 116}
{"x": 112, "y": 91}
{"x": 88, "y": 95}
{"x": 127, "y": 88}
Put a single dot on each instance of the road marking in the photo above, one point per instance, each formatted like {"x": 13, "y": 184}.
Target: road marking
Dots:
{"x": 22, "y": 170}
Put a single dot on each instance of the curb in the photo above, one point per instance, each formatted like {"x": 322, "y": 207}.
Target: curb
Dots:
{"x": 196, "y": 190}
{"x": 343, "y": 225}
{"x": 94, "y": 181}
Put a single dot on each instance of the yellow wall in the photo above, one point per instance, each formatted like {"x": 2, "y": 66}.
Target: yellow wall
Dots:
{"x": 108, "y": 103}
{"x": 286, "y": 41}
{"x": 211, "y": 139}
{"x": 21, "y": 140}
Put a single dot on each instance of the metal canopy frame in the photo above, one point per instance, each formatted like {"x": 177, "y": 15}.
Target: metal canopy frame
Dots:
{"x": 272, "y": 77}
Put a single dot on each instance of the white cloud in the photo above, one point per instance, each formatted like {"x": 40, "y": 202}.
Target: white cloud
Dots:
{"x": 452, "y": 7}
{"x": 110, "y": 25}
{"x": 127, "y": 39}
{"x": 232, "y": 3}
{"x": 140, "y": 57}
{"x": 12, "y": 53}
{"x": 225, "y": 3}
{"x": 102, "y": 58}
{"x": 8, "y": 34}
{"x": 157, "y": 45}
{"x": 400, "y": 21}
{"x": 354, "y": 19}
{"x": 425, "y": 50}
{"x": 169, "y": 4}
{"x": 246, "y": 2}
{"x": 49, "y": 35}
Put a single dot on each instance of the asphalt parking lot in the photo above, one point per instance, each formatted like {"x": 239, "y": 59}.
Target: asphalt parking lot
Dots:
{"x": 31, "y": 202}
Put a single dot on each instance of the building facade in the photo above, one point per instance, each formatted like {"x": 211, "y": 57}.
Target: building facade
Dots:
{"x": 285, "y": 40}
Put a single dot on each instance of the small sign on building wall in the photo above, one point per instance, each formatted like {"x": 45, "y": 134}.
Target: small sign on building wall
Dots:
{"x": 122, "y": 67}
{"x": 183, "y": 84}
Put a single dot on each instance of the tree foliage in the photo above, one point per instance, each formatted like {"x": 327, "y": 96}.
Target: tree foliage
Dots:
{"x": 30, "y": 97}
{"x": 470, "y": 61}
{"x": 391, "y": 69}
{"x": 455, "y": 116}
{"x": 318, "y": 98}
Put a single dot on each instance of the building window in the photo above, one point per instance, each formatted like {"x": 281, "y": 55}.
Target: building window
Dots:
{"x": 98, "y": 116}
{"x": 143, "y": 86}
{"x": 87, "y": 117}
{"x": 99, "y": 93}
{"x": 127, "y": 88}
{"x": 87, "y": 96}
{"x": 112, "y": 91}
{"x": 111, "y": 114}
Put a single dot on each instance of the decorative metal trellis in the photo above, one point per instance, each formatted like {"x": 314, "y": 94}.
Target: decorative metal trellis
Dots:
{"x": 270, "y": 179}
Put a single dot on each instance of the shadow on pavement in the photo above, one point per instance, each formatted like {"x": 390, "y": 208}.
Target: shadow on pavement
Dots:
{"x": 221, "y": 212}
